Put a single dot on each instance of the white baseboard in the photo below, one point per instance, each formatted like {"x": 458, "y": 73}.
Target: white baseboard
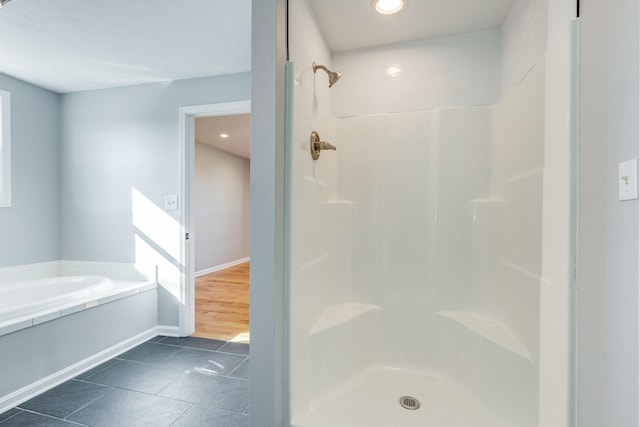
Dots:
{"x": 32, "y": 390}
{"x": 220, "y": 267}
{"x": 169, "y": 331}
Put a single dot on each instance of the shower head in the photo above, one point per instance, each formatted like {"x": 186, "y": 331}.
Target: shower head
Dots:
{"x": 2, "y": 2}
{"x": 334, "y": 76}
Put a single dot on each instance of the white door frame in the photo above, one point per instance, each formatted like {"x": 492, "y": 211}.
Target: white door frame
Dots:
{"x": 186, "y": 315}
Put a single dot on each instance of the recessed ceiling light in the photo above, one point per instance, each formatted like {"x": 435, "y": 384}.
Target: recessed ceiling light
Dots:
{"x": 389, "y": 7}
{"x": 224, "y": 135}
{"x": 394, "y": 71}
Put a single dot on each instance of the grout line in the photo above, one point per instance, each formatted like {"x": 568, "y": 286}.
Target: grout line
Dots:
{"x": 115, "y": 387}
{"x": 144, "y": 363}
{"x": 218, "y": 350}
{"x": 171, "y": 383}
{"x": 100, "y": 370}
{"x": 228, "y": 410}
{"x": 158, "y": 365}
{"x": 236, "y": 368}
{"x": 8, "y": 418}
{"x": 182, "y": 415}
{"x": 79, "y": 409}
{"x": 118, "y": 360}
{"x": 51, "y": 416}
{"x": 235, "y": 354}
{"x": 186, "y": 346}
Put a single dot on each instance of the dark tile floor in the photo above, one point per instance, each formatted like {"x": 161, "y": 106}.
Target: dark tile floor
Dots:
{"x": 179, "y": 382}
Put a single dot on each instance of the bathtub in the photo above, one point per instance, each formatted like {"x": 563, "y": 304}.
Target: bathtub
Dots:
{"x": 24, "y": 304}
{"x": 53, "y": 329}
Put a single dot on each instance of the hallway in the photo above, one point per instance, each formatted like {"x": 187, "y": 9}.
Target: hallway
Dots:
{"x": 222, "y": 304}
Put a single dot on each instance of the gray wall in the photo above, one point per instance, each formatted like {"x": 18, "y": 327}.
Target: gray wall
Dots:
{"x": 608, "y": 234}
{"x": 29, "y": 229}
{"x": 267, "y": 212}
{"x": 115, "y": 140}
{"x": 221, "y": 207}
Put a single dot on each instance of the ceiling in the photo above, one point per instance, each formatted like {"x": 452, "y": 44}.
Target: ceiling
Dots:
{"x": 354, "y": 24}
{"x": 73, "y": 45}
{"x": 238, "y": 127}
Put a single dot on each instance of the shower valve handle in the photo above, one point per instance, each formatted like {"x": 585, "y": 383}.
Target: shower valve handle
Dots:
{"x": 324, "y": 145}
{"x": 317, "y": 145}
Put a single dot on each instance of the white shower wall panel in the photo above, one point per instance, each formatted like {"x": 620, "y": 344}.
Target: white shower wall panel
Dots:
{"x": 318, "y": 246}
{"x": 524, "y": 40}
{"x": 463, "y": 173}
{"x": 518, "y": 125}
{"x": 451, "y": 71}
{"x": 410, "y": 177}
{"x": 385, "y": 169}
{"x": 484, "y": 227}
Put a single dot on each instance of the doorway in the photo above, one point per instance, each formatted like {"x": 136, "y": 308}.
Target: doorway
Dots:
{"x": 221, "y": 211}
{"x": 215, "y": 167}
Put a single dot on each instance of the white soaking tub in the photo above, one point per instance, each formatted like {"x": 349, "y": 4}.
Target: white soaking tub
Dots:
{"x": 53, "y": 329}
{"x": 23, "y": 304}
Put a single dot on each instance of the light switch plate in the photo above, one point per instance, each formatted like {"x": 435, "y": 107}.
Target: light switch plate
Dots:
{"x": 170, "y": 203}
{"x": 628, "y": 180}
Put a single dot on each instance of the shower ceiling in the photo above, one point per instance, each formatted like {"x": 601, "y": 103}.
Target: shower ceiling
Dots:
{"x": 354, "y": 24}
{"x": 72, "y": 45}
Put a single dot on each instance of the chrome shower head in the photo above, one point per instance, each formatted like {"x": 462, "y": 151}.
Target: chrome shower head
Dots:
{"x": 334, "y": 76}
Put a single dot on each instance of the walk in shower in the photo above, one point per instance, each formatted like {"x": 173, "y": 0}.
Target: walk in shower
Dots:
{"x": 415, "y": 248}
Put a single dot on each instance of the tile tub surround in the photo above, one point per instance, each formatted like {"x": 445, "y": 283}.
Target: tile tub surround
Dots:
{"x": 162, "y": 382}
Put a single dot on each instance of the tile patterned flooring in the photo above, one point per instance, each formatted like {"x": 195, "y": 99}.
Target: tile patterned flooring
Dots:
{"x": 177, "y": 382}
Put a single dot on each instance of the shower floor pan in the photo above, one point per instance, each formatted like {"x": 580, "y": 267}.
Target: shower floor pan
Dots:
{"x": 372, "y": 399}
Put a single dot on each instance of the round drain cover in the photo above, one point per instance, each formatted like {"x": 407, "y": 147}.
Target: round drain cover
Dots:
{"x": 408, "y": 402}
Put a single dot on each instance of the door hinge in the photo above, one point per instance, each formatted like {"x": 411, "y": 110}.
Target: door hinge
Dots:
{"x": 186, "y": 236}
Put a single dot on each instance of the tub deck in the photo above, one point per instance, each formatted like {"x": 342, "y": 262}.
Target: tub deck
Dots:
{"x": 70, "y": 300}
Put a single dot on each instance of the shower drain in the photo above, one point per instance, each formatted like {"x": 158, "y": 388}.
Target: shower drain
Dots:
{"x": 408, "y": 402}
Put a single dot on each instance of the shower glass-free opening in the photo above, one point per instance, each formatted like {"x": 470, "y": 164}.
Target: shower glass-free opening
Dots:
{"x": 415, "y": 249}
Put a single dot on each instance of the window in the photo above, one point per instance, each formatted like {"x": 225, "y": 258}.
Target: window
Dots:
{"x": 5, "y": 149}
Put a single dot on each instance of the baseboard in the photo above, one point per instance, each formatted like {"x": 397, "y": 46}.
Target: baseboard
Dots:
{"x": 220, "y": 267}
{"x": 169, "y": 331}
{"x": 32, "y": 390}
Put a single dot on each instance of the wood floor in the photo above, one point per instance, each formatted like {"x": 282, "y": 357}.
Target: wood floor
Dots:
{"x": 222, "y": 304}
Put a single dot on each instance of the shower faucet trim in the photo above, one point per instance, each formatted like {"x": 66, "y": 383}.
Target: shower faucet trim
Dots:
{"x": 317, "y": 145}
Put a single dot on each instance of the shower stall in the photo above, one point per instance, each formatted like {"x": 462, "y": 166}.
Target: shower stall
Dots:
{"x": 414, "y": 250}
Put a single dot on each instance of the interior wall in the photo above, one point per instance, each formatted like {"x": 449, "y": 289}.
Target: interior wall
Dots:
{"x": 268, "y": 54}
{"x": 452, "y": 71}
{"x": 119, "y": 157}
{"x": 29, "y": 229}
{"x": 221, "y": 207}
{"x": 557, "y": 298}
{"x": 608, "y": 228}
